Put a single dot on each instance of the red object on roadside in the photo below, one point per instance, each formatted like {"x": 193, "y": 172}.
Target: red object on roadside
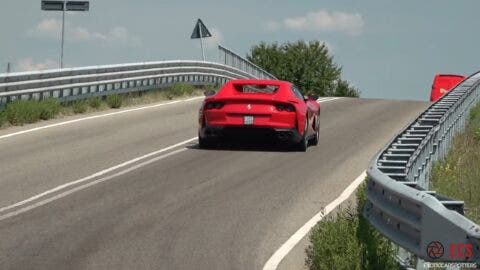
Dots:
{"x": 442, "y": 83}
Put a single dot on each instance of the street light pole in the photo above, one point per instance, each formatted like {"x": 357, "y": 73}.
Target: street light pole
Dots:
{"x": 63, "y": 6}
{"x": 63, "y": 34}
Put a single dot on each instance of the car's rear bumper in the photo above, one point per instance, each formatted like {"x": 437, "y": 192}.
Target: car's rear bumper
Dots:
{"x": 265, "y": 119}
{"x": 290, "y": 135}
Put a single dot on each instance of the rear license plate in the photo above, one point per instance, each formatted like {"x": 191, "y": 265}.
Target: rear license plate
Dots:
{"x": 248, "y": 120}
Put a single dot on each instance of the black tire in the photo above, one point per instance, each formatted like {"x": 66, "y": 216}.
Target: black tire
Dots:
{"x": 316, "y": 138}
{"x": 205, "y": 144}
{"x": 303, "y": 144}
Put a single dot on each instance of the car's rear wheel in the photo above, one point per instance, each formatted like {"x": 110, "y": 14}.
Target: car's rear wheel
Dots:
{"x": 316, "y": 138}
{"x": 303, "y": 144}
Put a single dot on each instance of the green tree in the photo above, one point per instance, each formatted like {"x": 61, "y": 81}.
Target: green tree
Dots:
{"x": 307, "y": 65}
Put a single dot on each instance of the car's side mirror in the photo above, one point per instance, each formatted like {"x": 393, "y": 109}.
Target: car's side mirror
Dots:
{"x": 208, "y": 93}
{"x": 313, "y": 96}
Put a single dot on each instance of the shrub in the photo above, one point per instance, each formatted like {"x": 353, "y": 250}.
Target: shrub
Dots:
{"x": 348, "y": 241}
{"x": 182, "y": 89}
{"x": 21, "y": 112}
{"x": 79, "y": 106}
{"x": 114, "y": 101}
{"x": 94, "y": 102}
{"x": 334, "y": 244}
{"x": 213, "y": 87}
{"x": 49, "y": 108}
{"x": 168, "y": 93}
{"x": 3, "y": 119}
{"x": 209, "y": 87}
{"x": 476, "y": 134}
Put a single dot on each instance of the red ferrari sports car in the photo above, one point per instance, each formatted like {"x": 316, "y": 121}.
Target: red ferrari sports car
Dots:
{"x": 259, "y": 107}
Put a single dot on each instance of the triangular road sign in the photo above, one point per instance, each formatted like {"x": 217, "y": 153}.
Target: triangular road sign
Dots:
{"x": 200, "y": 30}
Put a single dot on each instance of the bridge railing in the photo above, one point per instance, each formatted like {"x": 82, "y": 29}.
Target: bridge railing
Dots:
{"x": 82, "y": 82}
{"x": 400, "y": 204}
{"x": 230, "y": 58}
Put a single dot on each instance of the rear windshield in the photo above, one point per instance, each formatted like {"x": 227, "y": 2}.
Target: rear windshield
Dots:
{"x": 256, "y": 88}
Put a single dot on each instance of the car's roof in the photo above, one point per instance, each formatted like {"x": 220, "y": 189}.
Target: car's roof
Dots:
{"x": 255, "y": 81}
{"x": 449, "y": 75}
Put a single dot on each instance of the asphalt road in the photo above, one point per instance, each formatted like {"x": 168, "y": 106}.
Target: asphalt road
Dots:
{"x": 229, "y": 208}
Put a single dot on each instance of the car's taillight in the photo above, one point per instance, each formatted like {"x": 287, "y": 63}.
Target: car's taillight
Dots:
{"x": 213, "y": 105}
{"x": 285, "y": 107}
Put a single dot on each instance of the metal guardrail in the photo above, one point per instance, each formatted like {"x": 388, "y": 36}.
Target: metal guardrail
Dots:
{"x": 79, "y": 83}
{"x": 399, "y": 202}
{"x": 230, "y": 58}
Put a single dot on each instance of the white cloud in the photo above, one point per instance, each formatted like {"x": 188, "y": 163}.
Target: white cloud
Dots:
{"x": 28, "y": 64}
{"x": 79, "y": 34}
{"x": 323, "y": 21}
{"x": 51, "y": 28}
{"x": 48, "y": 27}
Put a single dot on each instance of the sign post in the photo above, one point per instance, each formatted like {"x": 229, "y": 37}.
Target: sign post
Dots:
{"x": 57, "y": 5}
{"x": 200, "y": 31}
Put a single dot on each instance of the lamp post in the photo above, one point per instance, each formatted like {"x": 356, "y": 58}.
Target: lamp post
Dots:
{"x": 56, "y": 5}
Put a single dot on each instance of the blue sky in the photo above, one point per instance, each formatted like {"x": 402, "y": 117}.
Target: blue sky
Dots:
{"x": 388, "y": 49}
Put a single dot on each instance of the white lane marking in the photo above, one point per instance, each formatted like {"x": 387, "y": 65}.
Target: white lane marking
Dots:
{"x": 89, "y": 184}
{"x": 282, "y": 252}
{"x": 319, "y": 99}
{"x": 326, "y": 99}
{"x": 97, "y": 174}
{"x": 97, "y": 116}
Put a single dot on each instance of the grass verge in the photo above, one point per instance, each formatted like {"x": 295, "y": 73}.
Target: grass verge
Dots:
{"x": 3, "y": 119}
{"x": 22, "y": 112}
{"x": 114, "y": 101}
{"x": 79, "y": 106}
{"x": 346, "y": 240}
{"x": 458, "y": 174}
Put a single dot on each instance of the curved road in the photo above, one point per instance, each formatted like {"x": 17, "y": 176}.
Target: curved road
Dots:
{"x": 181, "y": 207}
